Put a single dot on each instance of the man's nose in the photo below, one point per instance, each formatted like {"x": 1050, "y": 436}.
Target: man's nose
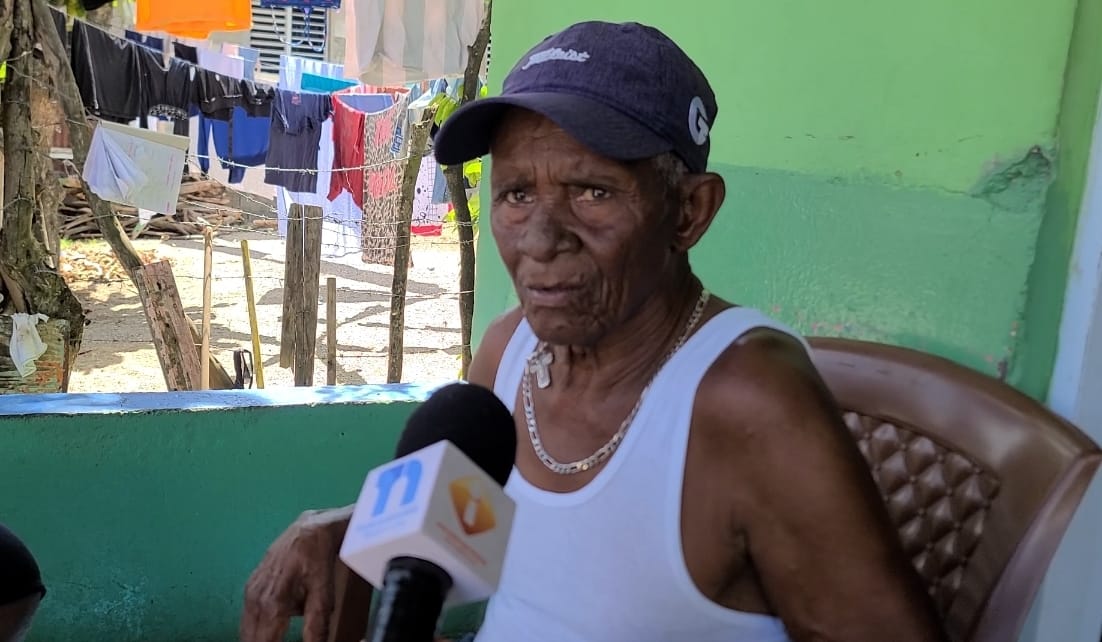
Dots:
{"x": 544, "y": 235}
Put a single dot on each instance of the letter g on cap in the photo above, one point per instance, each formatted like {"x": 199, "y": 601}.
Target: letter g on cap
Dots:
{"x": 698, "y": 121}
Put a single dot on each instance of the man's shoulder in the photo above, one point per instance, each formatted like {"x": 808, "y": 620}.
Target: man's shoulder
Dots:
{"x": 484, "y": 363}
{"x": 764, "y": 384}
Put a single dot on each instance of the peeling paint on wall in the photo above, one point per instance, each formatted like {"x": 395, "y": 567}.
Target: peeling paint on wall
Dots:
{"x": 1019, "y": 185}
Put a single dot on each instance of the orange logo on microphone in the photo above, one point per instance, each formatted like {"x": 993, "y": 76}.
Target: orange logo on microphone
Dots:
{"x": 471, "y": 505}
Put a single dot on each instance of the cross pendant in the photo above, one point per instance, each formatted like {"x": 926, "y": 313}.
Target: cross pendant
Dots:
{"x": 540, "y": 365}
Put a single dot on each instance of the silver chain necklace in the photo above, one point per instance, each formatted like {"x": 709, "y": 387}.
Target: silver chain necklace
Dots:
{"x": 538, "y": 362}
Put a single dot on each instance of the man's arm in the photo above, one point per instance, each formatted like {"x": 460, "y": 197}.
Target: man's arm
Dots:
{"x": 297, "y": 572}
{"x": 819, "y": 535}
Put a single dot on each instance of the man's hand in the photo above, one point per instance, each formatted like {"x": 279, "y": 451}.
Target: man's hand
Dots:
{"x": 296, "y": 578}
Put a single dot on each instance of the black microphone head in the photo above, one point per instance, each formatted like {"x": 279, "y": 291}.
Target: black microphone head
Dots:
{"x": 473, "y": 419}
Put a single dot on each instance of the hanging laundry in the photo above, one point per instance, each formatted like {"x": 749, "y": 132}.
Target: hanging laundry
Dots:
{"x": 136, "y": 167}
{"x": 249, "y": 55}
{"x": 169, "y": 92}
{"x": 399, "y": 41}
{"x": 350, "y": 129}
{"x": 108, "y": 74}
{"x": 241, "y": 141}
{"x": 382, "y": 164}
{"x": 324, "y": 84}
{"x": 292, "y": 68}
{"x": 193, "y": 18}
{"x": 294, "y": 138}
{"x": 256, "y": 99}
{"x": 152, "y": 42}
{"x": 440, "y": 193}
{"x": 428, "y": 215}
{"x": 217, "y": 94}
{"x": 340, "y": 234}
{"x": 221, "y": 63}
{"x": 186, "y": 52}
{"x": 61, "y": 20}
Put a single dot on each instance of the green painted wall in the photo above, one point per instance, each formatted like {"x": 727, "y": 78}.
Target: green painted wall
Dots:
{"x": 887, "y": 164}
{"x": 147, "y": 524}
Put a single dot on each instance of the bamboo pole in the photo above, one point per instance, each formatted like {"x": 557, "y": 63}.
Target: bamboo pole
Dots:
{"x": 250, "y": 298}
{"x": 204, "y": 346}
{"x": 331, "y": 331}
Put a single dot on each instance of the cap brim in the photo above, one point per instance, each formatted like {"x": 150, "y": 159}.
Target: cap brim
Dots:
{"x": 468, "y": 132}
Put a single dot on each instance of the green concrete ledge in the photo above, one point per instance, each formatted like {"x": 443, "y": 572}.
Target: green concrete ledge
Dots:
{"x": 148, "y": 511}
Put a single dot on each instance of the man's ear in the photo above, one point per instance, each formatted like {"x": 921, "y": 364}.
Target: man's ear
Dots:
{"x": 701, "y": 197}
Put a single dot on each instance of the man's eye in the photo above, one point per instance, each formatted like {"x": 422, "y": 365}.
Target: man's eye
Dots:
{"x": 516, "y": 196}
{"x": 594, "y": 194}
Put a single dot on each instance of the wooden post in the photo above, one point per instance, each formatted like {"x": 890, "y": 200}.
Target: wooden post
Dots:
{"x": 300, "y": 292}
{"x": 292, "y": 287}
{"x": 250, "y": 299}
{"x": 418, "y": 142}
{"x": 167, "y": 323}
{"x": 204, "y": 347}
{"x": 331, "y": 331}
{"x": 310, "y": 274}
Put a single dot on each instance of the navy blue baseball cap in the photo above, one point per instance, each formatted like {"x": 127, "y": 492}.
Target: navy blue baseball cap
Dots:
{"x": 624, "y": 90}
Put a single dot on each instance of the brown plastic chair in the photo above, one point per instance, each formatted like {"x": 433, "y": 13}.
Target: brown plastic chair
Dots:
{"x": 981, "y": 480}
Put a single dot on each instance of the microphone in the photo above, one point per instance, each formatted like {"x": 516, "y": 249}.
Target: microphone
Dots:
{"x": 431, "y": 527}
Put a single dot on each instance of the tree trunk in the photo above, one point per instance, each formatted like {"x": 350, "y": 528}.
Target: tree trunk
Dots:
{"x": 418, "y": 141}
{"x": 31, "y": 284}
{"x": 80, "y": 137}
{"x": 46, "y": 117}
{"x": 456, "y": 187}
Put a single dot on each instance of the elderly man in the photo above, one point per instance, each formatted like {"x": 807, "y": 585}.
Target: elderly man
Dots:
{"x": 683, "y": 473}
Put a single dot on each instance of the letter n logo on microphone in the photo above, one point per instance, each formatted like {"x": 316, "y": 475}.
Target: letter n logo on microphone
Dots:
{"x": 410, "y": 471}
{"x": 471, "y": 506}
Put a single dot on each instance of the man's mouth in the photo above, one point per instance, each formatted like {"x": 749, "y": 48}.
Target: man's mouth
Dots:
{"x": 551, "y": 295}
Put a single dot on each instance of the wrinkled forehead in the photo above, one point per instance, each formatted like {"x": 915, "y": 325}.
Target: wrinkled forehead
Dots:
{"x": 522, "y": 138}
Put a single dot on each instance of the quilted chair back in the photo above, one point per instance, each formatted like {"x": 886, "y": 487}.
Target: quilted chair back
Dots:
{"x": 980, "y": 480}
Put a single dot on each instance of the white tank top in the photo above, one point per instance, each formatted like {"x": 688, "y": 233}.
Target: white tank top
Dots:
{"x": 604, "y": 563}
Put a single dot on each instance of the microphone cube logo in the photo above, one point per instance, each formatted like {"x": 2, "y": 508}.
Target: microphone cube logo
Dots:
{"x": 469, "y": 498}
{"x": 410, "y": 471}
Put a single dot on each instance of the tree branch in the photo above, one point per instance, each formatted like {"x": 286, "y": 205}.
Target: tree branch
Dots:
{"x": 456, "y": 187}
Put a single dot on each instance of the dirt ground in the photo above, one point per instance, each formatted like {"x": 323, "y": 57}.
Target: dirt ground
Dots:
{"x": 117, "y": 354}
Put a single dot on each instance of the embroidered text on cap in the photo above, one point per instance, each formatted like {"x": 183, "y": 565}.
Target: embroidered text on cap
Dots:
{"x": 556, "y": 53}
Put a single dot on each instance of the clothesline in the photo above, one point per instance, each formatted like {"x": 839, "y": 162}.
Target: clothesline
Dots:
{"x": 339, "y": 183}
{"x": 125, "y": 42}
{"x": 358, "y": 168}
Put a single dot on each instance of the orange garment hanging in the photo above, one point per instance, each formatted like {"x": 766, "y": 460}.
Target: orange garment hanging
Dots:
{"x": 193, "y": 18}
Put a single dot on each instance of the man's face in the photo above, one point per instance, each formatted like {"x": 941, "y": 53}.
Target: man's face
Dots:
{"x": 584, "y": 238}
